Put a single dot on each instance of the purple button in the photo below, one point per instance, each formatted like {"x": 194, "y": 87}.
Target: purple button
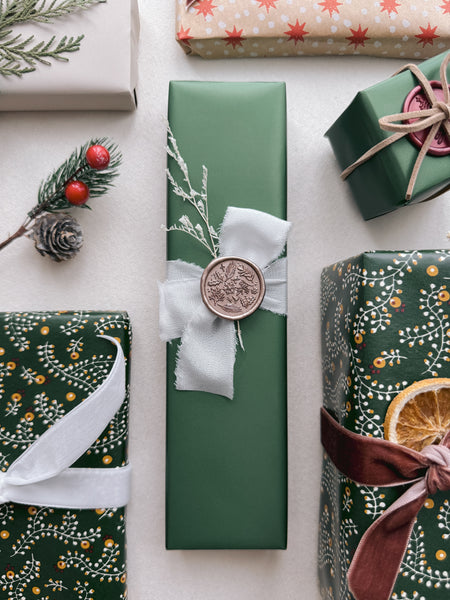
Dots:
{"x": 416, "y": 100}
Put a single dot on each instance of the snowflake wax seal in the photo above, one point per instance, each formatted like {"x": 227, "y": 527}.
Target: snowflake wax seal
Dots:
{"x": 232, "y": 288}
{"x": 416, "y": 100}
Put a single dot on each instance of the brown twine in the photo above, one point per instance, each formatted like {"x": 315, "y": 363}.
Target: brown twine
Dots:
{"x": 438, "y": 115}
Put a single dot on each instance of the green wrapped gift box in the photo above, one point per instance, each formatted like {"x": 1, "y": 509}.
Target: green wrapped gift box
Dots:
{"x": 380, "y": 185}
{"x": 50, "y": 362}
{"x": 385, "y": 325}
{"x": 226, "y": 459}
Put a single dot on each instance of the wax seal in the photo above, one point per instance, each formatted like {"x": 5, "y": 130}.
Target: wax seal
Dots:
{"x": 416, "y": 100}
{"x": 232, "y": 287}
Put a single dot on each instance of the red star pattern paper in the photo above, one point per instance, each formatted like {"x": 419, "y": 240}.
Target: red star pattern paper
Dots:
{"x": 205, "y": 7}
{"x": 331, "y": 6}
{"x": 267, "y": 4}
{"x": 297, "y": 32}
{"x": 390, "y": 6}
{"x": 398, "y": 28}
{"x": 234, "y": 37}
{"x": 358, "y": 37}
{"x": 183, "y": 35}
{"x": 427, "y": 36}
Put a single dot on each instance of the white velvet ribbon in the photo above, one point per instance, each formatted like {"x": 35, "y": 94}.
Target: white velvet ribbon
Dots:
{"x": 206, "y": 354}
{"x": 42, "y": 475}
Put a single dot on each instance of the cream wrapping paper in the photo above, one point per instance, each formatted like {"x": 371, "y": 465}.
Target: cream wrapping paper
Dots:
{"x": 259, "y": 28}
{"x": 102, "y": 75}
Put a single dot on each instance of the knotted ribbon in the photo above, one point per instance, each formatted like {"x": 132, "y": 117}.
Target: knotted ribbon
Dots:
{"x": 438, "y": 115}
{"x": 42, "y": 475}
{"x": 206, "y": 355}
{"x": 378, "y": 462}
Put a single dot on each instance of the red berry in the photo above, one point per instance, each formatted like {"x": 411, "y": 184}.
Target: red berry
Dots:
{"x": 76, "y": 192}
{"x": 97, "y": 157}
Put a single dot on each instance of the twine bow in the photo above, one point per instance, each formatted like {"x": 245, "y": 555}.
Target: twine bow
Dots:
{"x": 206, "y": 355}
{"x": 376, "y": 462}
{"x": 42, "y": 475}
{"x": 438, "y": 115}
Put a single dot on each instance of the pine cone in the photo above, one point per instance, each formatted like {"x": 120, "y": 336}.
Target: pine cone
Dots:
{"x": 57, "y": 235}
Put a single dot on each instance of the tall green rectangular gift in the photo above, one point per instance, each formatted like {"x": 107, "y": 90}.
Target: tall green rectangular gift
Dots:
{"x": 385, "y": 326}
{"x": 226, "y": 458}
{"x": 59, "y": 371}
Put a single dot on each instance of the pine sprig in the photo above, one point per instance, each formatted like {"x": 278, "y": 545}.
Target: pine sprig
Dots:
{"x": 96, "y": 165}
{"x": 13, "y": 12}
{"x": 51, "y": 190}
{"x": 19, "y": 54}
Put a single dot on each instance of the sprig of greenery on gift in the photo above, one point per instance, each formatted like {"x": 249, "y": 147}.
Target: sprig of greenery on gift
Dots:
{"x": 20, "y": 54}
{"x": 89, "y": 172}
{"x": 199, "y": 200}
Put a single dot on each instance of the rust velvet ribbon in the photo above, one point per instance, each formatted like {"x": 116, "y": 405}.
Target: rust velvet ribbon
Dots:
{"x": 377, "y": 462}
{"x": 435, "y": 117}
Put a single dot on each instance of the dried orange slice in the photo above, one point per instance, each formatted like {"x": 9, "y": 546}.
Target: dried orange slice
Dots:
{"x": 420, "y": 414}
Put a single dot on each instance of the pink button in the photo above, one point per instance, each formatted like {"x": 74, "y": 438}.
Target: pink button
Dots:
{"x": 416, "y": 100}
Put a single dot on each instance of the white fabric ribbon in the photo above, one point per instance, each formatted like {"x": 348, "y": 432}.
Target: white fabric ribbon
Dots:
{"x": 207, "y": 350}
{"x": 42, "y": 475}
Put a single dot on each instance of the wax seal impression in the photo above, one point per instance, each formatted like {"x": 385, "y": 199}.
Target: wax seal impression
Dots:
{"x": 416, "y": 100}
{"x": 232, "y": 287}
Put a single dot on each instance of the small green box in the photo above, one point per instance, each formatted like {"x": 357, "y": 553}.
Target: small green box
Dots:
{"x": 385, "y": 325}
{"x": 226, "y": 469}
{"x": 379, "y": 186}
{"x": 49, "y": 363}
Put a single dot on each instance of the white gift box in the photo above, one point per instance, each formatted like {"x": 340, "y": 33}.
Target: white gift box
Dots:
{"x": 101, "y": 75}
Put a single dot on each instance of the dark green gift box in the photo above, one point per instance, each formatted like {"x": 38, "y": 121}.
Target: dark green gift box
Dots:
{"x": 226, "y": 459}
{"x": 379, "y": 186}
{"x": 385, "y": 325}
{"x": 49, "y": 363}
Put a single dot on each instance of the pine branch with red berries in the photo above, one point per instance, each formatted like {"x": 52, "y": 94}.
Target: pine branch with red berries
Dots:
{"x": 89, "y": 172}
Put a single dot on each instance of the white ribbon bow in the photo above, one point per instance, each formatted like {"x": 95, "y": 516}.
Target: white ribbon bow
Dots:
{"x": 41, "y": 475}
{"x": 206, "y": 355}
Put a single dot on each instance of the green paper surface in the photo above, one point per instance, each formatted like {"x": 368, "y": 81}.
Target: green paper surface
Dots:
{"x": 379, "y": 185}
{"x": 385, "y": 325}
{"x": 226, "y": 459}
{"x": 49, "y": 363}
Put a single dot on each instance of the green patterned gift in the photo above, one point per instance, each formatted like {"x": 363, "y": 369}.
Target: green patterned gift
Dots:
{"x": 64, "y": 477}
{"x": 385, "y": 327}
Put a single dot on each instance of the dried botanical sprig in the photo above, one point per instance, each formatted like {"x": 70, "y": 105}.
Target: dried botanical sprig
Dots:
{"x": 20, "y": 54}
{"x": 88, "y": 172}
{"x": 199, "y": 200}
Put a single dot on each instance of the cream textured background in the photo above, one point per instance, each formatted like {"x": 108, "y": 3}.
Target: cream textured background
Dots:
{"x": 123, "y": 258}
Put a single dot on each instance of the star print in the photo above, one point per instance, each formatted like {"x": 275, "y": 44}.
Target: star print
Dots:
{"x": 205, "y": 7}
{"x": 358, "y": 37}
{"x": 390, "y": 6}
{"x": 331, "y": 6}
{"x": 446, "y": 7}
{"x": 183, "y": 35}
{"x": 297, "y": 32}
{"x": 234, "y": 37}
{"x": 267, "y": 4}
{"x": 427, "y": 36}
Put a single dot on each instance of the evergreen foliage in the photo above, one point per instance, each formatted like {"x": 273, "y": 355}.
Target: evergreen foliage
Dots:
{"x": 51, "y": 190}
{"x": 20, "y": 54}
